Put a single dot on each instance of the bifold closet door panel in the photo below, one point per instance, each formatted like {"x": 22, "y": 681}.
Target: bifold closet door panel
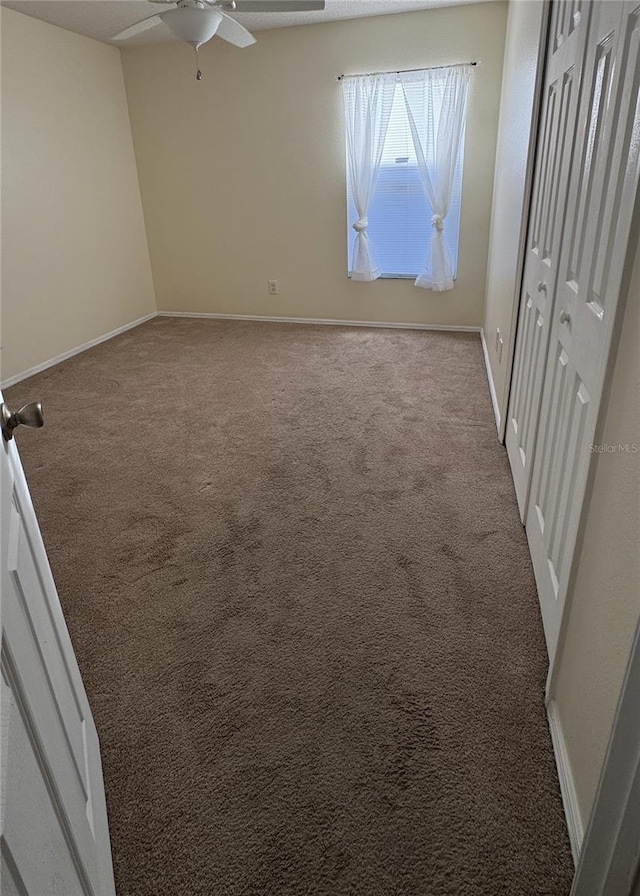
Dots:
{"x": 602, "y": 195}
{"x": 569, "y": 25}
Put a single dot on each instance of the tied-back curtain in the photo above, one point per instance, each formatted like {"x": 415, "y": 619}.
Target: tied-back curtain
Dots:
{"x": 368, "y": 100}
{"x": 436, "y": 103}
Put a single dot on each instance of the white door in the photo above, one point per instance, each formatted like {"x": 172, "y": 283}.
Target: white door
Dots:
{"x": 600, "y": 205}
{"x": 54, "y": 834}
{"x": 568, "y": 30}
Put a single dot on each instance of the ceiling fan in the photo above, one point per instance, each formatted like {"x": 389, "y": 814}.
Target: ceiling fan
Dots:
{"x": 197, "y": 21}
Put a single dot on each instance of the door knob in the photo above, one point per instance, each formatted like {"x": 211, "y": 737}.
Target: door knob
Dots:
{"x": 565, "y": 317}
{"x": 542, "y": 286}
{"x": 29, "y": 415}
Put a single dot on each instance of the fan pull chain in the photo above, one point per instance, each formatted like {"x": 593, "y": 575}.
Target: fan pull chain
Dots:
{"x": 198, "y": 72}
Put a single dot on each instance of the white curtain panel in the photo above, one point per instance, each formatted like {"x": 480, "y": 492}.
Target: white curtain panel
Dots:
{"x": 436, "y": 103}
{"x": 368, "y": 100}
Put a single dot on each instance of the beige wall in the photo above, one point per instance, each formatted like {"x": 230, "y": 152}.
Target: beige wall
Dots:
{"x": 75, "y": 263}
{"x": 243, "y": 174}
{"x": 605, "y": 598}
{"x": 516, "y": 105}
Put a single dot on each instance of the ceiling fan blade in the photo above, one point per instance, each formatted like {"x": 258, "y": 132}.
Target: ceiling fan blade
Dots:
{"x": 234, "y": 32}
{"x": 279, "y": 5}
{"x": 138, "y": 28}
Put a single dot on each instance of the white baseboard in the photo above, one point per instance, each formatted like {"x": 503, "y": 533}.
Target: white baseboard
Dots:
{"x": 18, "y": 377}
{"x": 319, "y": 320}
{"x": 32, "y": 371}
{"x": 492, "y": 388}
{"x": 567, "y": 786}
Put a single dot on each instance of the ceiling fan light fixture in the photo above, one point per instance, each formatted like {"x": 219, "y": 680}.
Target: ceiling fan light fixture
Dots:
{"x": 193, "y": 25}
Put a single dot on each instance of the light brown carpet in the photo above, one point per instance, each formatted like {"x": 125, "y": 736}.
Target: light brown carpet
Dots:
{"x": 294, "y": 575}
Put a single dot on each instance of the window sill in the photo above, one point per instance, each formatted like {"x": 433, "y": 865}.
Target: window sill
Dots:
{"x": 393, "y": 276}
{"x": 398, "y": 277}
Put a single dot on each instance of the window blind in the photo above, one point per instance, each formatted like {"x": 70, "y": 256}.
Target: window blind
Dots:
{"x": 399, "y": 212}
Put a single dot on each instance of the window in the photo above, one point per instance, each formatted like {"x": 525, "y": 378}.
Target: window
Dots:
{"x": 399, "y": 212}
{"x": 405, "y": 137}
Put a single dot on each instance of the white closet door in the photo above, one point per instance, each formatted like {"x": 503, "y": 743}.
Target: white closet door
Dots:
{"x": 569, "y": 26}
{"x": 601, "y": 199}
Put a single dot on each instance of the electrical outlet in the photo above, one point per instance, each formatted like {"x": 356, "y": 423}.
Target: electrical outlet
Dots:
{"x": 274, "y": 288}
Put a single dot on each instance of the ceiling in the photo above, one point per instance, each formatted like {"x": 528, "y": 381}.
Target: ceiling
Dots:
{"x": 101, "y": 19}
